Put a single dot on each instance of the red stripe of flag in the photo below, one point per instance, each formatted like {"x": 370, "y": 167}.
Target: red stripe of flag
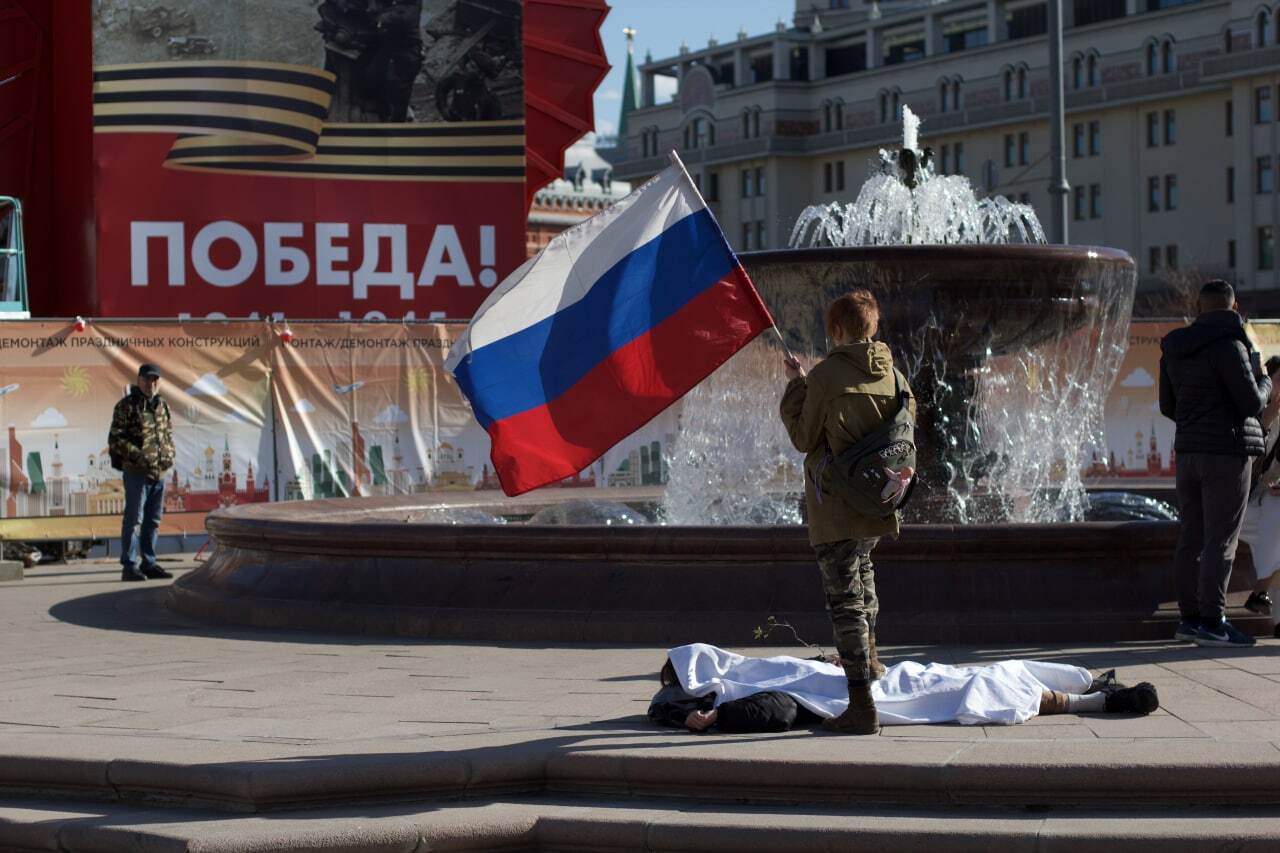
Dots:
{"x": 629, "y": 388}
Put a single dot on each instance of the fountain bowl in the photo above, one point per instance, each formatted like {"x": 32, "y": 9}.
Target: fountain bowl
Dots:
{"x": 364, "y": 566}
{"x": 993, "y": 299}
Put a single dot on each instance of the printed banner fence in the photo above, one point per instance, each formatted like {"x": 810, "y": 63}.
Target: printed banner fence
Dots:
{"x": 349, "y": 410}
{"x": 339, "y": 410}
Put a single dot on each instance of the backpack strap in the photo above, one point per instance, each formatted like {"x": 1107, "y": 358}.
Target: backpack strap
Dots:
{"x": 901, "y": 388}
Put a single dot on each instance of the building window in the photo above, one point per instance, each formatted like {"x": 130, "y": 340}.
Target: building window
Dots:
{"x": 1170, "y": 127}
{"x": 1024, "y": 148}
{"x": 946, "y": 159}
{"x": 762, "y": 238}
{"x": 1095, "y": 201}
{"x": 748, "y": 236}
{"x": 1266, "y": 248}
{"x": 1170, "y": 192}
{"x": 1153, "y": 194}
{"x": 955, "y": 94}
{"x": 1027, "y": 21}
{"x": 1008, "y": 149}
{"x": 1092, "y": 63}
{"x": 826, "y": 117}
{"x": 828, "y": 181}
{"x": 1171, "y": 257}
{"x": 1077, "y": 140}
{"x": 1022, "y": 84}
{"x": 748, "y": 183}
{"x": 755, "y": 122}
{"x": 1153, "y": 260}
{"x": 1077, "y": 203}
{"x": 1262, "y": 29}
{"x": 713, "y": 186}
{"x": 1095, "y": 138}
{"x": 884, "y": 107}
{"x": 838, "y": 106}
{"x": 746, "y": 124}
{"x": 1231, "y": 185}
{"x": 1152, "y": 57}
{"x": 1230, "y": 122}
{"x": 957, "y": 167}
{"x": 1166, "y": 56}
{"x": 1153, "y": 130}
{"x": 1266, "y": 181}
{"x": 1008, "y": 84}
{"x": 839, "y": 176}
{"x": 760, "y": 185}
{"x": 944, "y": 96}
{"x": 1077, "y": 72}
{"x": 1231, "y": 254}
{"x": 1262, "y": 105}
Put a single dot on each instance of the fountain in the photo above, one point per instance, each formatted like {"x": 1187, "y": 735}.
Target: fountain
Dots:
{"x": 1010, "y": 345}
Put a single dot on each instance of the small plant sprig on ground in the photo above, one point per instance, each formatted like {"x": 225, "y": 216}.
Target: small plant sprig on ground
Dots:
{"x": 762, "y": 632}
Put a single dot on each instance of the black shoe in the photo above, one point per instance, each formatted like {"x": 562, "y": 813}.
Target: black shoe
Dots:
{"x": 1140, "y": 699}
{"x": 129, "y": 573}
{"x": 155, "y": 572}
{"x": 1104, "y": 682}
{"x": 1260, "y": 603}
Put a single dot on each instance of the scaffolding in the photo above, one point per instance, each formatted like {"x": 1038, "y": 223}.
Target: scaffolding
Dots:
{"x": 13, "y": 262}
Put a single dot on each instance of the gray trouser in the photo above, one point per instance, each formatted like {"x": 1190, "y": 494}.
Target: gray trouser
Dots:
{"x": 1212, "y": 492}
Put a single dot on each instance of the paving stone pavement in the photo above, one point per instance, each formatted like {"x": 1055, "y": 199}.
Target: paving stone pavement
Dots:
{"x": 87, "y": 655}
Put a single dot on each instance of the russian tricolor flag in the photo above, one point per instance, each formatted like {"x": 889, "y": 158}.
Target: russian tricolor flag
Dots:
{"x": 616, "y": 319}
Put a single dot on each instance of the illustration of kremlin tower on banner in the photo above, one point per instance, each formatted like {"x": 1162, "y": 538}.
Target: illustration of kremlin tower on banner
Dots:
{"x": 214, "y": 489}
{"x": 1142, "y": 459}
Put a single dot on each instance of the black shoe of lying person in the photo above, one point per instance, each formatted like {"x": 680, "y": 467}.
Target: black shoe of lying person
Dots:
{"x": 1104, "y": 682}
{"x": 1139, "y": 699}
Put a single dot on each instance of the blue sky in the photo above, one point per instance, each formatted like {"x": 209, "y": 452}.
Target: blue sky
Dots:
{"x": 660, "y": 27}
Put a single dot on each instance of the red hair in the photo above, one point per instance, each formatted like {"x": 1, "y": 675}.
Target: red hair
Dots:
{"x": 856, "y": 313}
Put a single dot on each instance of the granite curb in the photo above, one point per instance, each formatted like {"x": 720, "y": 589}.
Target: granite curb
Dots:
{"x": 560, "y": 824}
{"x": 882, "y": 770}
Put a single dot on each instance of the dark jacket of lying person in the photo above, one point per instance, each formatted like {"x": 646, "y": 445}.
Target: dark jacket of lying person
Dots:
{"x": 769, "y": 711}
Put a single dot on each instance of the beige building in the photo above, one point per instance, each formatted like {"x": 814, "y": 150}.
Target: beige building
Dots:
{"x": 1171, "y": 127}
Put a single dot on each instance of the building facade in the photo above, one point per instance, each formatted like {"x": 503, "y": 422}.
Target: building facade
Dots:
{"x": 1171, "y": 120}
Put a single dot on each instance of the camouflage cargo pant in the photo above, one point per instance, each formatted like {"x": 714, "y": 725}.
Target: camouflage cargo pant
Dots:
{"x": 850, "y": 587}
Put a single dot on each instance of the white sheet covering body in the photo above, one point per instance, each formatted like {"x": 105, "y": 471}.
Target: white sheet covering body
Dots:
{"x": 1004, "y": 693}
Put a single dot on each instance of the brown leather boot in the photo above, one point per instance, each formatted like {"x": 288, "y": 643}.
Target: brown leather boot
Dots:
{"x": 860, "y": 717}
{"x": 1053, "y": 702}
{"x": 877, "y": 668}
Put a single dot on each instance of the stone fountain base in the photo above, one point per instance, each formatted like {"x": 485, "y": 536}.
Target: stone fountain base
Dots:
{"x": 356, "y": 566}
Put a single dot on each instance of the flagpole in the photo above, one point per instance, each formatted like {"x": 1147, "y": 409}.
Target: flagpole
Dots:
{"x": 676, "y": 161}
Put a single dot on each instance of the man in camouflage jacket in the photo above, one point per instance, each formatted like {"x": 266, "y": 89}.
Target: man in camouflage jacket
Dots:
{"x": 141, "y": 446}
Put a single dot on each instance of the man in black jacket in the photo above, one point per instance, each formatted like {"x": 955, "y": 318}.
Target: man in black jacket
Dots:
{"x": 1213, "y": 387}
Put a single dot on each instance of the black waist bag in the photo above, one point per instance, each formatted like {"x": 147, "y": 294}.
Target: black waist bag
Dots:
{"x": 860, "y": 473}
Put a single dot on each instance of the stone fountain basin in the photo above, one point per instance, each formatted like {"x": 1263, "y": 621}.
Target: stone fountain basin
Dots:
{"x": 999, "y": 298}
{"x": 356, "y": 566}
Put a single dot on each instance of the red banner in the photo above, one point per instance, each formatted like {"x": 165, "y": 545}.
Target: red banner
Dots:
{"x": 367, "y": 161}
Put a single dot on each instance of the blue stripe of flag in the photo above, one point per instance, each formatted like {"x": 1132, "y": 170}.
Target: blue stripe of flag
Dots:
{"x": 539, "y": 363}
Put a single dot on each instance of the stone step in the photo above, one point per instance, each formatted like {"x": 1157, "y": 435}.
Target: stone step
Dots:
{"x": 558, "y": 824}
{"x": 924, "y": 766}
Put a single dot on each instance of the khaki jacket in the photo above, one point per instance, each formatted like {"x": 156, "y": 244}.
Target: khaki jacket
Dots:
{"x": 141, "y": 436}
{"x": 846, "y": 396}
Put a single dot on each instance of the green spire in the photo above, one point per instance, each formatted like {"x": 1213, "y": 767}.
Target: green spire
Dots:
{"x": 630, "y": 97}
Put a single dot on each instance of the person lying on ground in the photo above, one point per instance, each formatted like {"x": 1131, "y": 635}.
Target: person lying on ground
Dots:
{"x": 705, "y": 686}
